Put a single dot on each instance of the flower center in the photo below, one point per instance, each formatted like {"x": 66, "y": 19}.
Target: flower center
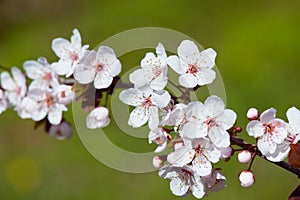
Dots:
{"x": 269, "y": 128}
{"x": 50, "y": 100}
{"x": 99, "y": 67}
{"x": 74, "y": 56}
{"x": 147, "y": 102}
{"x": 157, "y": 71}
{"x": 193, "y": 69}
{"x": 48, "y": 77}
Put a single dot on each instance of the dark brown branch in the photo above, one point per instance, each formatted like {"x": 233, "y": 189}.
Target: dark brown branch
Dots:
{"x": 252, "y": 148}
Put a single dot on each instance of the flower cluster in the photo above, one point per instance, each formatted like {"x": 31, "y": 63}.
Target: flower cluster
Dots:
{"x": 47, "y": 94}
{"x": 197, "y": 132}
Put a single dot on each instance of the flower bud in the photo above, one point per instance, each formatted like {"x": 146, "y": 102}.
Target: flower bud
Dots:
{"x": 98, "y": 118}
{"x": 158, "y": 161}
{"x": 226, "y": 152}
{"x": 244, "y": 156}
{"x": 252, "y": 114}
{"x": 247, "y": 178}
{"x": 61, "y": 131}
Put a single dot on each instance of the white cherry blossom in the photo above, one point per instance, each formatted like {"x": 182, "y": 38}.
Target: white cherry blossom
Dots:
{"x": 160, "y": 137}
{"x": 15, "y": 88}
{"x": 272, "y": 135}
{"x": 147, "y": 103}
{"x": 69, "y": 52}
{"x": 153, "y": 70}
{"x": 200, "y": 151}
{"x": 40, "y": 103}
{"x": 98, "y": 118}
{"x": 3, "y": 102}
{"x": 98, "y": 66}
{"x": 209, "y": 119}
{"x": 293, "y": 115}
{"x": 41, "y": 74}
{"x": 194, "y": 67}
{"x": 183, "y": 180}
{"x": 174, "y": 116}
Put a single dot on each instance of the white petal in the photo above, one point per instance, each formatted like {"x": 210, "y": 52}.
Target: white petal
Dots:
{"x": 226, "y": 119}
{"x": 268, "y": 115}
{"x": 114, "y": 68}
{"x": 153, "y": 118}
{"x": 202, "y": 166}
{"x": 255, "y": 128}
{"x": 160, "y": 51}
{"x": 279, "y": 134}
{"x": 196, "y": 112}
{"x": 7, "y": 82}
{"x": 84, "y": 75}
{"x": 213, "y": 155}
{"x": 159, "y": 83}
{"x": 55, "y": 114}
{"x": 207, "y": 58}
{"x": 60, "y": 46}
{"x": 192, "y": 130}
{"x": 266, "y": 145}
{"x": 214, "y": 106}
{"x": 161, "y": 148}
{"x": 133, "y": 97}
{"x": 98, "y": 118}
{"x": 33, "y": 69}
{"x": 76, "y": 39}
{"x": 188, "y": 80}
{"x": 178, "y": 187}
{"x": 188, "y": 50}
{"x": 174, "y": 63}
{"x": 181, "y": 156}
{"x": 169, "y": 172}
{"x": 62, "y": 67}
{"x": 219, "y": 136}
{"x": 198, "y": 189}
{"x": 140, "y": 77}
{"x": 102, "y": 80}
{"x": 205, "y": 76}
{"x": 138, "y": 117}
{"x": 280, "y": 154}
{"x": 161, "y": 98}
{"x": 293, "y": 115}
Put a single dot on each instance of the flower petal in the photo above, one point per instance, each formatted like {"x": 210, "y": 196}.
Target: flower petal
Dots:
{"x": 268, "y": 115}
{"x": 219, "y": 136}
{"x": 161, "y": 98}
{"x": 255, "y": 128}
{"x": 138, "y": 117}
{"x": 293, "y": 115}
{"x": 174, "y": 63}
{"x": 188, "y": 50}
{"x": 7, "y": 82}
{"x": 205, "y": 76}
{"x": 192, "y": 130}
{"x": 179, "y": 187}
{"x": 181, "y": 156}
{"x": 214, "y": 106}
{"x": 102, "y": 80}
{"x": 188, "y": 80}
{"x": 202, "y": 166}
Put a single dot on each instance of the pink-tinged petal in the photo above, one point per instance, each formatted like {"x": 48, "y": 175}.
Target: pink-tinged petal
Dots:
{"x": 179, "y": 187}
{"x": 40, "y": 112}
{"x": 219, "y": 136}
{"x": 181, "y": 156}
{"x": 62, "y": 67}
{"x": 205, "y": 76}
{"x": 133, "y": 97}
{"x": 255, "y": 128}
{"x": 19, "y": 77}
{"x": 138, "y": 117}
{"x": 268, "y": 115}
{"x": 26, "y": 108}
{"x": 214, "y": 106}
{"x": 188, "y": 80}
{"x": 153, "y": 118}
{"x": 198, "y": 189}
{"x": 55, "y": 114}
{"x": 188, "y": 50}
{"x": 7, "y": 82}
{"x": 33, "y": 69}
{"x": 174, "y": 63}
{"x": 192, "y": 130}
{"x": 102, "y": 80}
{"x": 293, "y": 115}
{"x": 84, "y": 75}
{"x": 161, "y": 98}
{"x": 114, "y": 68}
{"x": 202, "y": 166}
{"x": 266, "y": 145}
{"x": 61, "y": 47}
{"x": 280, "y": 153}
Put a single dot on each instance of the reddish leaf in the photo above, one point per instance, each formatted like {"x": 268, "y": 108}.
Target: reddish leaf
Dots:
{"x": 295, "y": 194}
{"x": 294, "y": 155}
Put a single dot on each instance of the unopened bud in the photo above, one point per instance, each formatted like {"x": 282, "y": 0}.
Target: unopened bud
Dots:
{"x": 158, "y": 161}
{"x": 244, "y": 156}
{"x": 247, "y": 178}
{"x": 226, "y": 152}
{"x": 252, "y": 114}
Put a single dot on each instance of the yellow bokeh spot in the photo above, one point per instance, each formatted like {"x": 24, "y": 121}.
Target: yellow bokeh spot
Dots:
{"x": 24, "y": 174}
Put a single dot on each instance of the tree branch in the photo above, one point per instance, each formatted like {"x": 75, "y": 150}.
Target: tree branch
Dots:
{"x": 252, "y": 148}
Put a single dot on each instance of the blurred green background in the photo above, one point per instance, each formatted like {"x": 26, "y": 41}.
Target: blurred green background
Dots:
{"x": 258, "y": 49}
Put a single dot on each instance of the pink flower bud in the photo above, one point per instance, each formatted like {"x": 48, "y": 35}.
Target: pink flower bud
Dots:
{"x": 158, "y": 161}
{"x": 244, "y": 156}
{"x": 247, "y": 178}
{"x": 226, "y": 152}
{"x": 252, "y": 114}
